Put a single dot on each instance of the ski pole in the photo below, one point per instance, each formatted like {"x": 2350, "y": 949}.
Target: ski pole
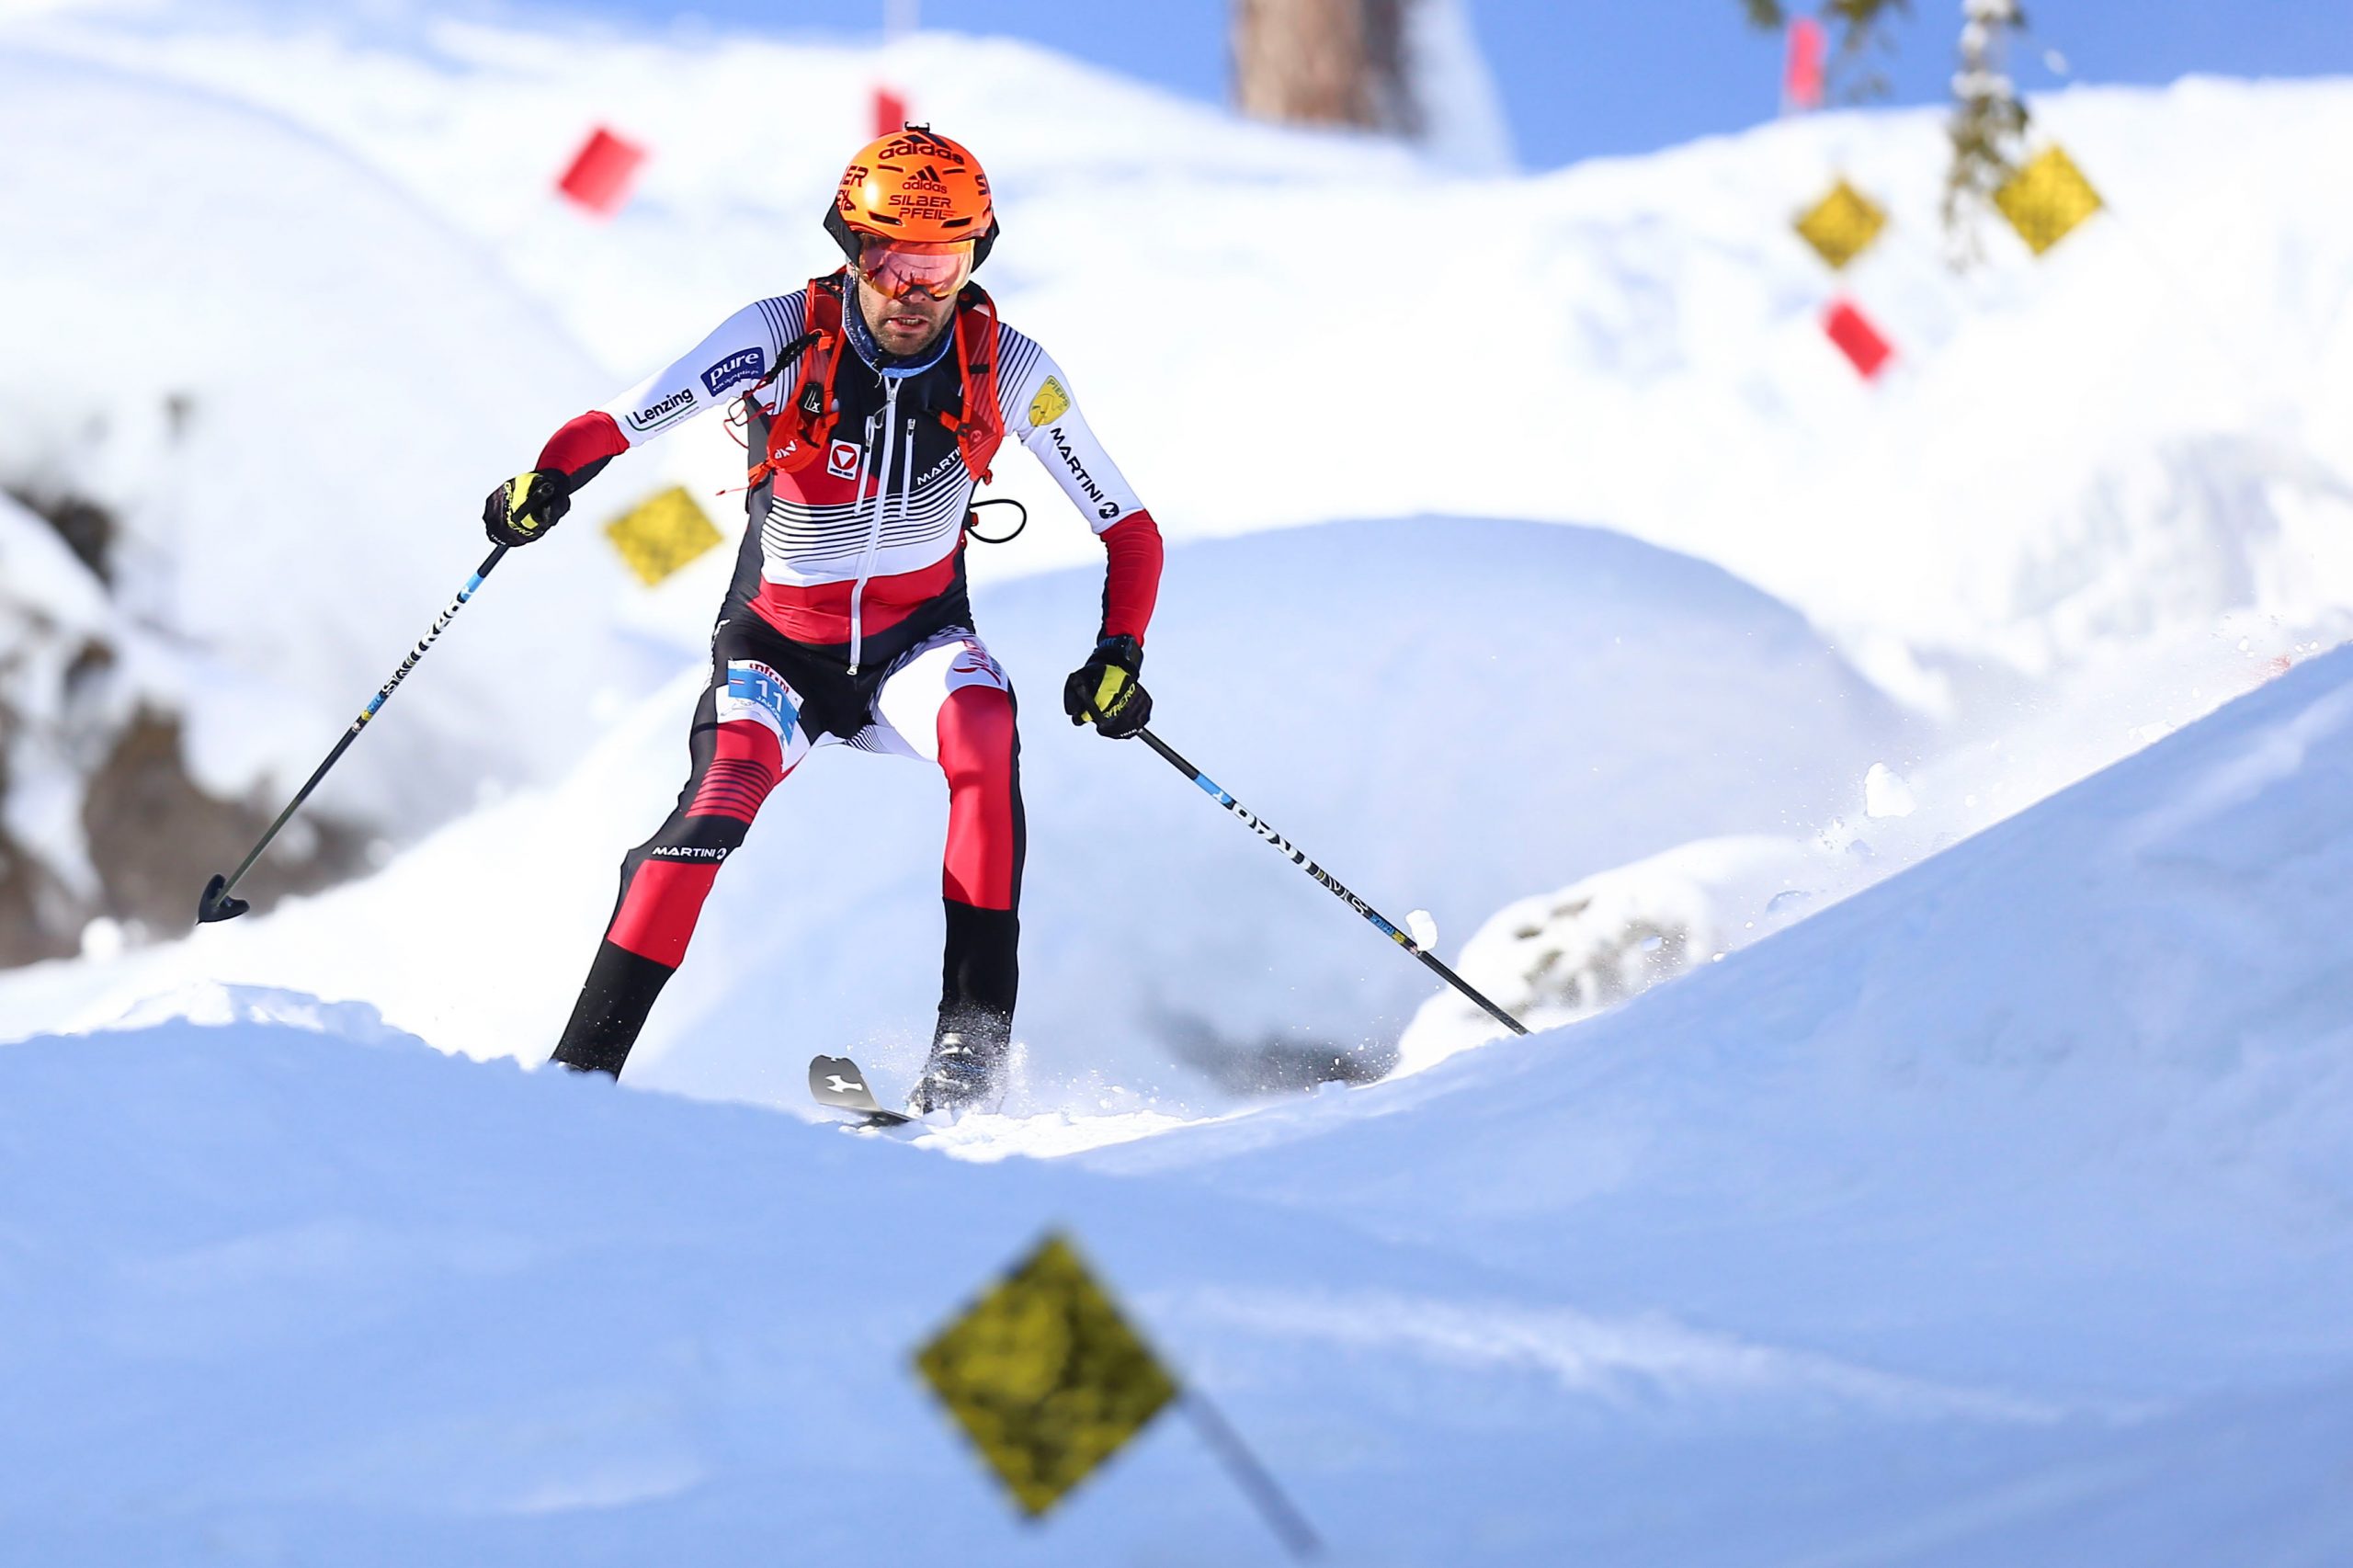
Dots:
{"x": 216, "y": 904}
{"x": 1258, "y": 825}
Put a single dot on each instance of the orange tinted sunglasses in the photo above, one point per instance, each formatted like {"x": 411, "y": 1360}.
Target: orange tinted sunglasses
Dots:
{"x": 901, "y": 267}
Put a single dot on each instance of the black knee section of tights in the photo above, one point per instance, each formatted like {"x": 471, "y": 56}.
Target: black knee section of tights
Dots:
{"x": 981, "y": 972}
{"x": 613, "y": 1003}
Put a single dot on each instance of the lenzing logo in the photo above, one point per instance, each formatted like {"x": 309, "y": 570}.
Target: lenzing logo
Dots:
{"x": 669, "y": 408}
{"x": 742, "y": 367}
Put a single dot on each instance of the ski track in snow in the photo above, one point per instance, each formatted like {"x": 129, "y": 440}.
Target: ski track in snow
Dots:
{"x": 1620, "y": 1360}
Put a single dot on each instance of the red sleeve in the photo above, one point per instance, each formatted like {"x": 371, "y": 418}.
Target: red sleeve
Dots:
{"x": 586, "y": 443}
{"x": 1132, "y": 580}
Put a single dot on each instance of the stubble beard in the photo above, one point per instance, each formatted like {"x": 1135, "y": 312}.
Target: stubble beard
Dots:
{"x": 872, "y": 304}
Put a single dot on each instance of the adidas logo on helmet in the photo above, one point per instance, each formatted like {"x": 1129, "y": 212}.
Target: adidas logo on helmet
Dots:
{"x": 915, "y": 186}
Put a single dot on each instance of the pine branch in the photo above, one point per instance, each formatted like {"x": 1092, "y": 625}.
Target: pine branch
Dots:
{"x": 1988, "y": 124}
{"x": 1864, "y": 33}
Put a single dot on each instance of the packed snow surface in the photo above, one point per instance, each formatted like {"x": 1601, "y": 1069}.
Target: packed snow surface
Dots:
{"x": 1996, "y": 1213}
{"x": 2001, "y": 1213}
{"x": 2111, "y": 483}
{"x": 1418, "y": 754}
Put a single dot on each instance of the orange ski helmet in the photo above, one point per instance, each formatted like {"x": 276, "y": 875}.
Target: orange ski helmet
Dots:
{"x": 912, "y": 184}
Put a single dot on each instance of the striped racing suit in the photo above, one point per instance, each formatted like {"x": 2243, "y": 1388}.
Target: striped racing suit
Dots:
{"x": 847, "y": 623}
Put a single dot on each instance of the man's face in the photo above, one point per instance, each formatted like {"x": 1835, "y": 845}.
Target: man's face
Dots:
{"x": 907, "y": 325}
{"x": 907, "y": 292}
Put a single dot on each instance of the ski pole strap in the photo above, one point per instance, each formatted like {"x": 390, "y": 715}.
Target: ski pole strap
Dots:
{"x": 1282, "y": 846}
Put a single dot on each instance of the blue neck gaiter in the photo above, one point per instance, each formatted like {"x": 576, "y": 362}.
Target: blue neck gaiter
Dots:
{"x": 862, "y": 337}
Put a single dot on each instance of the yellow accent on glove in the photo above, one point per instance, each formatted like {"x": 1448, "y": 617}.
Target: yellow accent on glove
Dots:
{"x": 519, "y": 502}
{"x": 1104, "y": 691}
{"x": 1111, "y": 692}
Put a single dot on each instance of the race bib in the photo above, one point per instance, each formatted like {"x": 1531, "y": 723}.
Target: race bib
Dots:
{"x": 757, "y": 693}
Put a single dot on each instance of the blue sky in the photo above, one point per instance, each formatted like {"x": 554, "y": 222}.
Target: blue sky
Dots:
{"x": 1581, "y": 77}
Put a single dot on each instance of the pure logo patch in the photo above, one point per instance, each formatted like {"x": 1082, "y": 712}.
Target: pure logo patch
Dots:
{"x": 745, "y": 366}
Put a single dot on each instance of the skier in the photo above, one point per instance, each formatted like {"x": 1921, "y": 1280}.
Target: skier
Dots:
{"x": 875, "y": 401}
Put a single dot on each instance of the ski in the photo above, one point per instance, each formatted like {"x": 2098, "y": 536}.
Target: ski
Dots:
{"x": 838, "y": 1083}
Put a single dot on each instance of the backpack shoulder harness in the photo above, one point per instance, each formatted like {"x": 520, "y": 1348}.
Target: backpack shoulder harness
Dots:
{"x": 803, "y": 424}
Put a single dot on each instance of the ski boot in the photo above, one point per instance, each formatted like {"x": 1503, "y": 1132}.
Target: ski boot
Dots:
{"x": 966, "y": 1070}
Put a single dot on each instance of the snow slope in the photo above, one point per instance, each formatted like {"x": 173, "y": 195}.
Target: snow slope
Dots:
{"x": 295, "y": 529}
{"x": 2149, "y": 511}
{"x": 1995, "y": 1214}
{"x": 2140, "y": 433}
{"x": 50, "y": 608}
{"x": 1998, "y": 1214}
{"x": 1415, "y": 748}
{"x": 2079, "y": 1085}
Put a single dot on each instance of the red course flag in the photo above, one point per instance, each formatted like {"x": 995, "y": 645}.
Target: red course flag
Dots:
{"x": 1801, "y": 78}
{"x": 890, "y": 111}
{"x": 601, "y": 171}
{"x": 1856, "y": 338}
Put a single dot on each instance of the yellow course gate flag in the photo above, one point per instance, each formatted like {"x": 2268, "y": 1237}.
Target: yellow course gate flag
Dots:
{"x": 1842, "y": 225}
{"x": 661, "y": 534}
{"x": 1045, "y": 1376}
{"x": 2046, "y": 200}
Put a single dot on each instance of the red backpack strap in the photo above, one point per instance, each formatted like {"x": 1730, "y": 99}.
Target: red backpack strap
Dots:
{"x": 980, "y": 430}
{"x": 805, "y": 422}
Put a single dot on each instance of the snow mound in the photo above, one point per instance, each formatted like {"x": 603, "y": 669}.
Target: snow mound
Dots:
{"x": 2069, "y": 1100}
{"x": 2122, "y": 441}
{"x": 1998, "y": 1214}
{"x": 53, "y": 611}
{"x": 215, "y": 1005}
{"x": 1413, "y": 747}
{"x": 2159, "y": 486}
{"x": 273, "y": 370}
{"x": 1603, "y": 938}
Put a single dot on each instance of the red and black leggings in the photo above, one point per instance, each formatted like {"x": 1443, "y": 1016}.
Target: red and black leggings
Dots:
{"x": 931, "y": 692}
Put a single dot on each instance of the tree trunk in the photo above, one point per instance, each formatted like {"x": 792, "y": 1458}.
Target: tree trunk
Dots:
{"x": 1325, "y": 62}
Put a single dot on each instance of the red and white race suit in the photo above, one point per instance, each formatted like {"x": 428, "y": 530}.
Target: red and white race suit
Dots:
{"x": 854, "y": 544}
{"x": 847, "y": 621}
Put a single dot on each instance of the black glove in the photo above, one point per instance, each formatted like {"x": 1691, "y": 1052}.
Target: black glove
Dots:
{"x": 1103, "y": 690}
{"x": 527, "y": 507}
